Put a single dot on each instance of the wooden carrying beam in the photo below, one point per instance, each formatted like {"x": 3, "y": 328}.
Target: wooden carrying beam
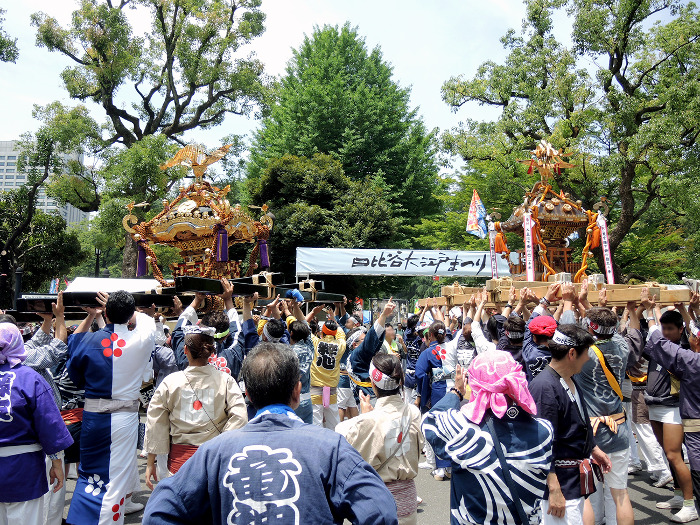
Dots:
{"x": 667, "y": 297}
{"x": 440, "y": 301}
{"x": 457, "y": 289}
{"x": 622, "y": 296}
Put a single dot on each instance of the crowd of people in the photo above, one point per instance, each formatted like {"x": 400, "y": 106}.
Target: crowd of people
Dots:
{"x": 536, "y": 412}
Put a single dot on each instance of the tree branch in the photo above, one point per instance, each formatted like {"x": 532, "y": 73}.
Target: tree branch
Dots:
{"x": 668, "y": 55}
{"x": 30, "y": 208}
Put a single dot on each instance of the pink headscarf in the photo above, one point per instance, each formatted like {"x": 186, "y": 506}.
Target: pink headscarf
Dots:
{"x": 494, "y": 377}
{"x": 11, "y": 345}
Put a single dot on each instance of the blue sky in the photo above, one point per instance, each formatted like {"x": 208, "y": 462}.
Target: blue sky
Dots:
{"x": 426, "y": 43}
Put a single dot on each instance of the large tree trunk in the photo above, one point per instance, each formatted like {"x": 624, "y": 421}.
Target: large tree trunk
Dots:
{"x": 130, "y": 257}
{"x": 617, "y": 271}
{"x": 627, "y": 216}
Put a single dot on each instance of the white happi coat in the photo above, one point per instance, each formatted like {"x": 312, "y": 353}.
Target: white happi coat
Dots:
{"x": 192, "y": 406}
{"x": 392, "y": 425}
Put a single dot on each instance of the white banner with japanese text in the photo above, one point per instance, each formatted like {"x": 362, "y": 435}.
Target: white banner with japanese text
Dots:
{"x": 605, "y": 246}
{"x": 445, "y": 263}
{"x": 529, "y": 248}
{"x": 492, "y": 251}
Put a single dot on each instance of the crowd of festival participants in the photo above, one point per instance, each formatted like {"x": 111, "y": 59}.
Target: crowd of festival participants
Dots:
{"x": 535, "y": 413}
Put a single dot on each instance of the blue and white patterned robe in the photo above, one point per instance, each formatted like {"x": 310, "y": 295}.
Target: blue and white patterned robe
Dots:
{"x": 478, "y": 492}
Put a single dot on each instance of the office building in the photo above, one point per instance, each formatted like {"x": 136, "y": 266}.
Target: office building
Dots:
{"x": 10, "y": 179}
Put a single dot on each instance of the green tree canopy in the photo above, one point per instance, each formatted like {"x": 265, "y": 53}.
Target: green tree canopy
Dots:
{"x": 188, "y": 72}
{"x": 44, "y": 248}
{"x": 317, "y": 205}
{"x": 340, "y": 99}
{"x": 633, "y": 117}
{"x": 8, "y": 45}
{"x": 64, "y": 132}
{"x": 184, "y": 73}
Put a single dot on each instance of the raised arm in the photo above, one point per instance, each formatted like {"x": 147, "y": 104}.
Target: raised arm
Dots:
{"x": 633, "y": 318}
{"x": 423, "y": 310}
{"x": 272, "y": 309}
{"x": 694, "y": 306}
{"x": 250, "y": 331}
{"x": 312, "y": 314}
{"x": 568, "y": 295}
{"x": 190, "y": 313}
{"x": 59, "y": 313}
{"x": 480, "y": 299}
{"x": 558, "y": 312}
{"x": 386, "y": 313}
{"x": 512, "y": 298}
{"x": 583, "y": 298}
{"x": 227, "y": 296}
{"x": 469, "y": 308}
{"x": 296, "y": 310}
{"x": 625, "y": 318}
{"x": 248, "y": 304}
{"x": 85, "y": 324}
{"x": 684, "y": 312}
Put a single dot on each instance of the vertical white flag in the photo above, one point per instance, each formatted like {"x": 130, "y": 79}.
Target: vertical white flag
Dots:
{"x": 605, "y": 246}
{"x": 529, "y": 248}
{"x": 492, "y": 248}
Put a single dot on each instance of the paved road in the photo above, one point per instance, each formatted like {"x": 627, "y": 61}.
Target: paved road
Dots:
{"x": 436, "y": 499}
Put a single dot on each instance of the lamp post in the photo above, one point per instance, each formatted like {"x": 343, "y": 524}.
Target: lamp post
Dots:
{"x": 98, "y": 252}
{"x": 19, "y": 272}
{"x": 5, "y": 292}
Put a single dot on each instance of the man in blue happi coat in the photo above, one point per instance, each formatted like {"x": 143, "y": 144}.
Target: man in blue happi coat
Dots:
{"x": 276, "y": 469}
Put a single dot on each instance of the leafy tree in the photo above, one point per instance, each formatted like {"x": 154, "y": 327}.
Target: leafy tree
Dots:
{"x": 186, "y": 73}
{"x": 44, "y": 248}
{"x": 64, "y": 131}
{"x": 8, "y": 45}
{"x": 317, "y": 205}
{"x": 635, "y": 120}
{"x": 92, "y": 238}
{"x": 340, "y": 99}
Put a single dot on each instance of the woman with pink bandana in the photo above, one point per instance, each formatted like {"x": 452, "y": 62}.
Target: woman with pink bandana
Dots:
{"x": 500, "y": 403}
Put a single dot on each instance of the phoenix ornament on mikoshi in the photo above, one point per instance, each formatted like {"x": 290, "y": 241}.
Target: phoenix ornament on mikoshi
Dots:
{"x": 195, "y": 157}
{"x": 547, "y": 161}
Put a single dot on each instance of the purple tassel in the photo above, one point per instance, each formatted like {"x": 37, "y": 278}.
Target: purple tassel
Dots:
{"x": 141, "y": 263}
{"x": 222, "y": 245}
{"x": 264, "y": 257}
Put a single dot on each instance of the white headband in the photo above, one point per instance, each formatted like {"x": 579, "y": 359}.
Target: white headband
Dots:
{"x": 562, "y": 339}
{"x": 266, "y": 333}
{"x": 694, "y": 329}
{"x": 514, "y": 335}
{"x": 354, "y": 337}
{"x": 382, "y": 380}
{"x": 602, "y": 330}
{"x": 198, "y": 329}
